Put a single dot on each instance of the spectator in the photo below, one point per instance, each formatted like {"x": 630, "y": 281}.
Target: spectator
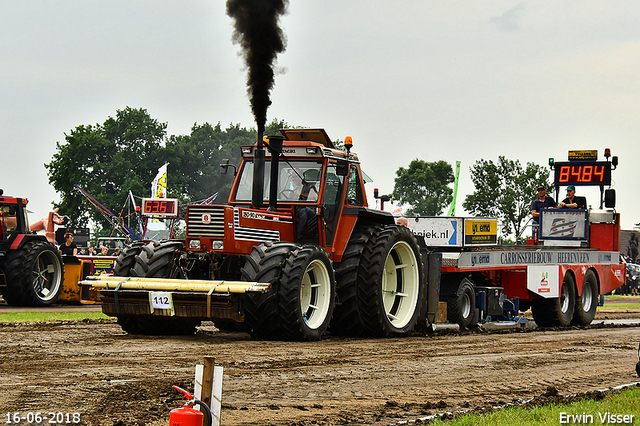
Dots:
{"x": 104, "y": 251}
{"x": 402, "y": 221}
{"x": 543, "y": 201}
{"x": 572, "y": 201}
{"x": 68, "y": 248}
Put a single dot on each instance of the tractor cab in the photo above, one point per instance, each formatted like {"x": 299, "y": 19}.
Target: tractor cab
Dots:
{"x": 13, "y": 218}
{"x": 318, "y": 188}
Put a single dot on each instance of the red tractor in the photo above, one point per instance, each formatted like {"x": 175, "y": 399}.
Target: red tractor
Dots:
{"x": 31, "y": 268}
{"x": 295, "y": 251}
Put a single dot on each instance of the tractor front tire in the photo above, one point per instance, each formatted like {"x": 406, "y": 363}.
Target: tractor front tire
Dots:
{"x": 306, "y": 294}
{"x": 261, "y": 311}
{"x": 390, "y": 282}
{"x": 154, "y": 260}
{"x": 127, "y": 259}
{"x": 34, "y": 274}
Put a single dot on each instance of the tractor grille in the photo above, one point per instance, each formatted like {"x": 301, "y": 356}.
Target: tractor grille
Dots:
{"x": 197, "y": 227}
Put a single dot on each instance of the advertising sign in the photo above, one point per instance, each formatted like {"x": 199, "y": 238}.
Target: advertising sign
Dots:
{"x": 438, "y": 231}
{"x": 480, "y": 232}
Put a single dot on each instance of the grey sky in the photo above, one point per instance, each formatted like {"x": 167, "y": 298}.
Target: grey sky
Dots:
{"x": 447, "y": 80}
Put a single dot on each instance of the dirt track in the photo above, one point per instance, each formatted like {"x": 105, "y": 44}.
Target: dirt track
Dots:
{"x": 115, "y": 379}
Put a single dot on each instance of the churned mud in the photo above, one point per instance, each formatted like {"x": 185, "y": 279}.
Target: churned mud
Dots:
{"x": 111, "y": 378}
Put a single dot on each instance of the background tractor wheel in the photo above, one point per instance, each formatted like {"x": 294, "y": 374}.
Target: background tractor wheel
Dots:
{"x": 346, "y": 317}
{"x": 306, "y": 294}
{"x": 264, "y": 264}
{"x": 557, "y": 311}
{"x": 390, "y": 282}
{"x": 462, "y": 306}
{"x": 586, "y": 304}
{"x": 34, "y": 274}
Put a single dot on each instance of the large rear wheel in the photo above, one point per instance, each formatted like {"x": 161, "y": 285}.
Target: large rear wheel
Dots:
{"x": 557, "y": 311}
{"x": 461, "y": 306}
{"x": 390, "y": 282}
{"x": 346, "y": 316}
{"x": 34, "y": 274}
{"x": 587, "y": 303}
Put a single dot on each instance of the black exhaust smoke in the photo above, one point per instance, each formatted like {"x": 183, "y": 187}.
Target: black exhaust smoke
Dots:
{"x": 261, "y": 39}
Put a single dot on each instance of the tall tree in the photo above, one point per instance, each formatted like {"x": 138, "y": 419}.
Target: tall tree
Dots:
{"x": 425, "y": 186}
{"x": 505, "y": 190}
{"x": 107, "y": 161}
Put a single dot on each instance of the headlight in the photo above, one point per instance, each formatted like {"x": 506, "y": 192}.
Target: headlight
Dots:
{"x": 194, "y": 244}
{"x": 218, "y": 245}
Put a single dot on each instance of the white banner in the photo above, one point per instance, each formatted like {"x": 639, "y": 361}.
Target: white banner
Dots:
{"x": 159, "y": 185}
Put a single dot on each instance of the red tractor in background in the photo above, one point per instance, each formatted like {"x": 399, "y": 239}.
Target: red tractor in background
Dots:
{"x": 31, "y": 268}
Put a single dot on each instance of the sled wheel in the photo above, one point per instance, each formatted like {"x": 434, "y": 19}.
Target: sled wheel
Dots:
{"x": 557, "y": 311}
{"x": 306, "y": 294}
{"x": 264, "y": 265}
{"x": 586, "y": 304}
{"x": 34, "y": 274}
{"x": 346, "y": 317}
{"x": 462, "y": 306}
{"x": 390, "y": 282}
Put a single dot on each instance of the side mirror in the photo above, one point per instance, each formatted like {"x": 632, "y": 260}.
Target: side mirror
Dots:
{"x": 342, "y": 168}
{"x": 225, "y": 165}
{"x": 610, "y": 198}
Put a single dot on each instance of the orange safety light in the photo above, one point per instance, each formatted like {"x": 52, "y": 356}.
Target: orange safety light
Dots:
{"x": 607, "y": 153}
{"x": 348, "y": 141}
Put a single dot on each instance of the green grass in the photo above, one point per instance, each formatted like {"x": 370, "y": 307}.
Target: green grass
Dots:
{"x": 49, "y": 316}
{"x": 616, "y": 403}
{"x": 629, "y": 306}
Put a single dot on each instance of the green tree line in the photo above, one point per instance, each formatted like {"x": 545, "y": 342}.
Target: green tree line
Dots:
{"x": 124, "y": 153}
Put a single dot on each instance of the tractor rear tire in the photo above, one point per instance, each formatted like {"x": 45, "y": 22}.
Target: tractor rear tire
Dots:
{"x": 557, "y": 311}
{"x": 461, "y": 307}
{"x": 586, "y": 304}
{"x": 390, "y": 282}
{"x": 34, "y": 274}
{"x": 155, "y": 260}
{"x": 261, "y": 312}
{"x": 306, "y": 294}
{"x": 346, "y": 316}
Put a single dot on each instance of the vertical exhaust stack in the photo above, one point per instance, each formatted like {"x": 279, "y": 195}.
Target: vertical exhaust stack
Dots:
{"x": 257, "y": 194}
{"x": 275, "y": 146}
{"x": 261, "y": 39}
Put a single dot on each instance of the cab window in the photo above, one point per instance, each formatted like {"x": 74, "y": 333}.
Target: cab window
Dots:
{"x": 354, "y": 189}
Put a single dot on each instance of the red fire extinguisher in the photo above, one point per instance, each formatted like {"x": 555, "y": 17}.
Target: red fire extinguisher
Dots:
{"x": 187, "y": 415}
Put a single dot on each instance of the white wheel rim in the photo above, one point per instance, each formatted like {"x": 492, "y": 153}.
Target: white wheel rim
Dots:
{"x": 587, "y": 296}
{"x": 46, "y": 275}
{"x": 315, "y": 294}
{"x": 466, "y": 305}
{"x": 564, "y": 299}
{"x": 400, "y": 284}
